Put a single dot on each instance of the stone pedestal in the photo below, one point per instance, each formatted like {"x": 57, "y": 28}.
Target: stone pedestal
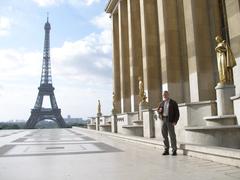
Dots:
{"x": 148, "y": 123}
{"x": 114, "y": 123}
{"x": 142, "y": 106}
{"x": 224, "y": 103}
{"x": 98, "y": 121}
{"x": 91, "y": 126}
{"x": 105, "y": 128}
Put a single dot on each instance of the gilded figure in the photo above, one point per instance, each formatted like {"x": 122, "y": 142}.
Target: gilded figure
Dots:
{"x": 225, "y": 61}
{"x": 99, "y": 107}
{"x": 141, "y": 95}
{"x": 114, "y": 101}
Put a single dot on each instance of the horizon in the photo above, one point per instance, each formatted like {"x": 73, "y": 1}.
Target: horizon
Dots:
{"x": 80, "y": 53}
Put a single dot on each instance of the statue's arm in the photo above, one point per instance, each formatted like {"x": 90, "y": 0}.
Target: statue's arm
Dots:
{"x": 221, "y": 48}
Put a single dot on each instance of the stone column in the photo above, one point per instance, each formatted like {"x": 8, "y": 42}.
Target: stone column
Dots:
{"x": 116, "y": 63}
{"x": 135, "y": 50}
{"x": 150, "y": 51}
{"x": 170, "y": 48}
{"x": 201, "y": 53}
{"x": 124, "y": 56}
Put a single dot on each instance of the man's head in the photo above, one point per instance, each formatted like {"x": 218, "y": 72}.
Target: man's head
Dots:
{"x": 165, "y": 95}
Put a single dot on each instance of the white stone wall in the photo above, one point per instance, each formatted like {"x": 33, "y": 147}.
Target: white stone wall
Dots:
{"x": 236, "y": 105}
{"x": 236, "y": 76}
{"x": 236, "y": 101}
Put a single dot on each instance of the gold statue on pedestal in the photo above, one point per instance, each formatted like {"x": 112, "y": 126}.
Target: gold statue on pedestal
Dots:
{"x": 142, "y": 95}
{"x": 114, "y": 100}
{"x": 99, "y": 109}
{"x": 225, "y": 61}
{"x": 113, "y": 103}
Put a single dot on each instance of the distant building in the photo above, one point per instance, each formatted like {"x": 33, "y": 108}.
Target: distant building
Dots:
{"x": 70, "y": 120}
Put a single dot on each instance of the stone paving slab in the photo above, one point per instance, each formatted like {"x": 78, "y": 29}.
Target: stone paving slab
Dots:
{"x": 71, "y": 154}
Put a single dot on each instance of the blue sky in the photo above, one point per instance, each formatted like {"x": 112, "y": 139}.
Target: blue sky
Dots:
{"x": 81, "y": 53}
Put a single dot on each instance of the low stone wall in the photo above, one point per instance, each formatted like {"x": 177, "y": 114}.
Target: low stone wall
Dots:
{"x": 191, "y": 115}
{"x": 236, "y": 106}
{"x": 192, "y": 126}
{"x": 226, "y": 136}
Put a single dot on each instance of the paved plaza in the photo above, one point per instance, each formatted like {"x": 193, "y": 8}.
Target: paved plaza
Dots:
{"x": 74, "y": 154}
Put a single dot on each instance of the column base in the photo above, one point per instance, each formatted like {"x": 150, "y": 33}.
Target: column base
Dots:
{"x": 224, "y": 103}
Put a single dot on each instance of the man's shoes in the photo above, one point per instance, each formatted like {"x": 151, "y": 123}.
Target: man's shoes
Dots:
{"x": 174, "y": 153}
{"x": 165, "y": 153}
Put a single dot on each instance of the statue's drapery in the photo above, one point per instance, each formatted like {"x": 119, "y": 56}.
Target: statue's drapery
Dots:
{"x": 225, "y": 61}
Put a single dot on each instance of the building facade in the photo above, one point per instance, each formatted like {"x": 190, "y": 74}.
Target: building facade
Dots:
{"x": 171, "y": 45}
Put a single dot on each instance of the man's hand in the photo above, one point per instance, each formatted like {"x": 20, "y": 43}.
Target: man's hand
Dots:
{"x": 160, "y": 110}
{"x": 174, "y": 123}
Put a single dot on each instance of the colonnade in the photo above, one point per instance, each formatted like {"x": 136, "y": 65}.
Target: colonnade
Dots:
{"x": 170, "y": 44}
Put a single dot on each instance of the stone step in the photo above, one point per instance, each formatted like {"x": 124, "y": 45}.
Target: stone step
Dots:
{"x": 134, "y": 130}
{"x": 222, "y": 155}
{"x": 132, "y": 126}
{"x": 196, "y": 128}
{"x": 137, "y": 122}
{"x": 91, "y": 126}
{"x": 221, "y": 120}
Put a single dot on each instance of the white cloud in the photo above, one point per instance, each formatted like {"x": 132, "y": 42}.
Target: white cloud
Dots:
{"x": 87, "y": 60}
{"x": 5, "y": 25}
{"x": 82, "y": 2}
{"x": 1, "y": 90}
{"x": 102, "y": 21}
{"x": 16, "y": 63}
{"x": 45, "y": 3}
{"x": 82, "y": 73}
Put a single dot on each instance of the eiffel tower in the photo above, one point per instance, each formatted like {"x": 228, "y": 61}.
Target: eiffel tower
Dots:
{"x": 38, "y": 113}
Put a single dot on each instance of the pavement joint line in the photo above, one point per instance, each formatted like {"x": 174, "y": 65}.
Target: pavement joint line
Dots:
{"x": 55, "y": 154}
{"x": 96, "y": 142}
{"x": 29, "y": 143}
{"x": 103, "y": 148}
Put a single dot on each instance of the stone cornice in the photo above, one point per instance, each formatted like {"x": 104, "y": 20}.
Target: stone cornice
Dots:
{"x": 111, "y": 6}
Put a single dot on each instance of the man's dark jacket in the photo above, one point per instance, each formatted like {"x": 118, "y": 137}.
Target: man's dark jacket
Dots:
{"x": 173, "y": 111}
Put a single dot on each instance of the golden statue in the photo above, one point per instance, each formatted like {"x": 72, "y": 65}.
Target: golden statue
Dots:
{"x": 141, "y": 95}
{"x": 99, "y": 108}
{"x": 225, "y": 61}
{"x": 113, "y": 102}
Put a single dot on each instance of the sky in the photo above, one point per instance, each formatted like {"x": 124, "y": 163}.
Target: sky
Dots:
{"x": 81, "y": 53}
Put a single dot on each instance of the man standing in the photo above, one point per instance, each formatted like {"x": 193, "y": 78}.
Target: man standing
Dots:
{"x": 169, "y": 114}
